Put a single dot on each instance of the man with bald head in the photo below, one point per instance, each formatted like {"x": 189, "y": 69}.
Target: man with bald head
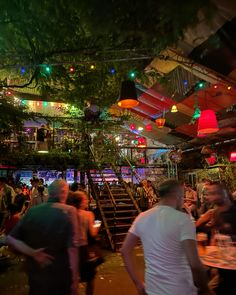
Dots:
{"x": 47, "y": 235}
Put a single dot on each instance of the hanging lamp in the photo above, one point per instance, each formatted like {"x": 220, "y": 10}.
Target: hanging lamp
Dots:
{"x": 233, "y": 156}
{"x": 160, "y": 122}
{"x": 174, "y": 109}
{"x": 142, "y": 142}
{"x": 148, "y": 127}
{"x": 128, "y": 96}
{"x": 207, "y": 122}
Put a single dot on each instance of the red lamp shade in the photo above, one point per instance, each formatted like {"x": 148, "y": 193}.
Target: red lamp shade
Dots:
{"x": 142, "y": 142}
{"x": 160, "y": 122}
{"x": 233, "y": 157}
{"x": 132, "y": 127}
{"x": 211, "y": 160}
{"x": 201, "y": 135}
{"x": 207, "y": 122}
{"x": 142, "y": 160}
{"x": 148, "y": 127}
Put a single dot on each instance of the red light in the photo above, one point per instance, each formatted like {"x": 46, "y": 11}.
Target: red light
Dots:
{"x": 142, "y": 142}
{"x": 72, "y": 70}
{"x": 148, "y": 127}
{"x": 211, "y": 160}
{"x": 215, "y": 86}
{"x": 142, "y": 160}
{"x": 207, "y": 122}
{"x": 233, "y": 157}
{"x": 132, "y": 127}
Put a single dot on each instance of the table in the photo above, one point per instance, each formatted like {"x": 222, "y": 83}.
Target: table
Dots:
{"x": 225, "y": 261}
{"x": 219, "y": 258}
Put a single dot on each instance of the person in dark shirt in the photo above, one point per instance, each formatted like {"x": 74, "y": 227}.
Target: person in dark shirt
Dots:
{"x": 47, "y": 235}
{"x": 20, "y": 198}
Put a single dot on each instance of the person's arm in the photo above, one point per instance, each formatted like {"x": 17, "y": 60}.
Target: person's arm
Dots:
{"x": 197, "y": 268}
{"x": 38, "y": 255}
{"x": 93, "y": 231}
{"x": 126, "y": 250}
{"x": 205, "y": 218}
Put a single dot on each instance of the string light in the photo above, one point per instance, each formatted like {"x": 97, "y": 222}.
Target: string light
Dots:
{"x": 113, "y": 71}
{"x": 38, "y": 103}
{"x": 229, "y": 87}
{"x": 23, "y": 102}
{"x": 215, "y": 86}
{"x": 92, "y": 67}
{"x": 45, "y": 103}
{"x": 52, "y": 104}
{"x": 72, "y": 70}
{"x": 23, "y": 70}
{"x": 185, "y": 82}
{"x": 132, "y": 75}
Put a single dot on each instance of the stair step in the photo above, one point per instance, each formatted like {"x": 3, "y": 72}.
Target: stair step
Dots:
{"x": 117, "y": 205}
{"x": 120, "y": 218}
{"x": 119, "y": 226}
{"x": 120, "y": 211}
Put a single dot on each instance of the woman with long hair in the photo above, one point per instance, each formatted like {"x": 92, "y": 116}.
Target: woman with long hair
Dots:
{"x": 87, "y": 231}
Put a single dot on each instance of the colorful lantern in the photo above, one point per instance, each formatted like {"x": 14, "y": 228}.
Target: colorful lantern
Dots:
{"x": 211, "y": 160}
{"x": 142, "y": 142}
{"x": 207, "y": 122}
{"x": 174, "y": 109}
{"x": 233, "y": 157}
{"x": 160, "y": 122}
{"x": 128, "y": 96}
{"x": 132, "y": 127}
{"x": 142, "y": 160}
{"x": 148, "y": 127}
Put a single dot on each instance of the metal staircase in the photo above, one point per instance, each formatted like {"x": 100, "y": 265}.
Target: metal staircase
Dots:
{"x": 115, "y": 202}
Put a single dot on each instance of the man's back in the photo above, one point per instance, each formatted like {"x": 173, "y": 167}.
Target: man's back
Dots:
{"x": 47, "y": 226}
{"x": 161, "y": 230}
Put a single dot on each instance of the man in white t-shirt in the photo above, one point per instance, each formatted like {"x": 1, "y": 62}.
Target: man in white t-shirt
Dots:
{"x": 172, "y": 264}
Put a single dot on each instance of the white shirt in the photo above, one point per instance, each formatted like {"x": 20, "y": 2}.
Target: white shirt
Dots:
{"x": 161, "y": 230}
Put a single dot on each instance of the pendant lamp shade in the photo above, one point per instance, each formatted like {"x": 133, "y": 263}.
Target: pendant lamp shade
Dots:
{"x": 207, "y": 122}
{"x": 128, "y": 96}
{"x": 233, "y": 157}
{"x": 211, "y": 159}
{"x": 148, "y": 127}
{"x": 142, "y": 142}
{"x": 174, "y": 109}
{"x": 160, "y": 122}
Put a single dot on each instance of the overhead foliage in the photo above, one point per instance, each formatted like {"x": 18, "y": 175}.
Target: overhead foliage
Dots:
{"x": 120, "y": 34}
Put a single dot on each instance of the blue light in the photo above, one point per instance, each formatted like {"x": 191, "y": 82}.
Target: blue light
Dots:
{"x": 113, "y": 71}
{"x": 185, "y": 82}
{"x": 23, "y": 70}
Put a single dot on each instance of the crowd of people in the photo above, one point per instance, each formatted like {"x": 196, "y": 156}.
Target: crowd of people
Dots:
{"x": 53, "y": 227}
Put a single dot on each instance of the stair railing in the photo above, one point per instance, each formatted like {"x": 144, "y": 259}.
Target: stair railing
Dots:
{"x": 111, "y": 197}
{"x": 105, "y": 224}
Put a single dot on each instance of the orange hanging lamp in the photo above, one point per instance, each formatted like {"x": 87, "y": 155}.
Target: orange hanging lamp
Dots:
{"x": 207, "y": 122}
{"x": 128, "y": 96}
{"x": 160, "y": 122}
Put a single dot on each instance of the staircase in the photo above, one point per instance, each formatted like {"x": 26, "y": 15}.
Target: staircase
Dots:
{"x": 116, "y": 204}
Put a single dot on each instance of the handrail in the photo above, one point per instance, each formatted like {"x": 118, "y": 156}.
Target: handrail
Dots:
{"x": 127, "y": 189}
{"x": 101, "y": 211}
{"x": 104, "y": 181}
{"x": 136, "y": 175}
